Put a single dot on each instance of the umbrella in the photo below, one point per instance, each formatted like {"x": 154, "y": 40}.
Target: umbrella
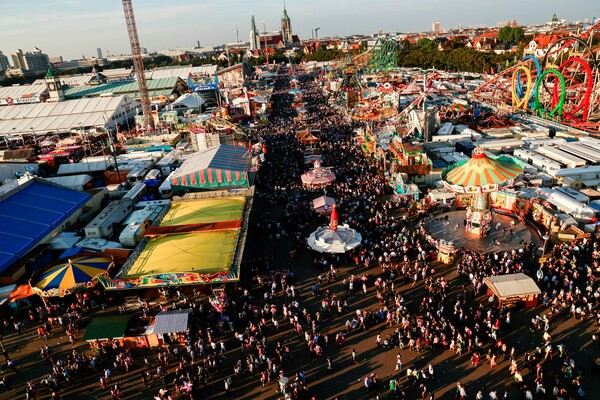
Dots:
{"x": 68, "y": 274}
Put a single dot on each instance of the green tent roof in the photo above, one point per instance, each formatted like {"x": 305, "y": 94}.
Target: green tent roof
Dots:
{"x": 108, "y": 327}
{"x": 156, "y": 87}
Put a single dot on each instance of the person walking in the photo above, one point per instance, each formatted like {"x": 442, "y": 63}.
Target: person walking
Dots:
{"x": 354, "y": 360}
{"x": 398, "y": 362}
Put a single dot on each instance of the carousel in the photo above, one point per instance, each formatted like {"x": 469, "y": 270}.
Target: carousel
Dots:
{"x": 477, "y": 178}
{"x": 334, "y": 238}
{"x": 317, "y": 178}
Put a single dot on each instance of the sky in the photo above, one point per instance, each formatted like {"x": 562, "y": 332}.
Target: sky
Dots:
{"x": 72, "y": 28}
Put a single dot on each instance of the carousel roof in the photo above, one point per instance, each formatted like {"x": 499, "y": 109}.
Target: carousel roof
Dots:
{"x": 482, "y": 170}
{"x": 318, "y": 176}
{"x": 340, "y": 240}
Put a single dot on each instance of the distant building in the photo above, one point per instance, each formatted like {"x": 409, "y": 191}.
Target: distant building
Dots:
{"x": 18, "y": 59}
{"x": 254, "y": 36}
{"x": 436, "y": 27}
{"x": 99, "y": 52}
{"x": 3, "y": 62}
{"x": 286, "y": 29}
{"x": 82, "y": 63}
{"x": 55, "y": 90}
{"x": 55, "y": 59}
{"x": 554, "y": 20}
{"x": 31, "y": 62}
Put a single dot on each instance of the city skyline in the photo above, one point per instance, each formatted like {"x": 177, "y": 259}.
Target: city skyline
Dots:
{"x": 72, "y": 28}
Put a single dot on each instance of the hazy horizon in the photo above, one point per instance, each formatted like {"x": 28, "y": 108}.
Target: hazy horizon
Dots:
{"x": 72, "y": 28}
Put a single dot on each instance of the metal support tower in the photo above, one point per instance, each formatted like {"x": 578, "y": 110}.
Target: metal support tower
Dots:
{"x": 138, "y": 64}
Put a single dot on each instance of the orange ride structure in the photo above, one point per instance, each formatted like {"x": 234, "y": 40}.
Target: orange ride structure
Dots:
{"x": 478, "y": 177}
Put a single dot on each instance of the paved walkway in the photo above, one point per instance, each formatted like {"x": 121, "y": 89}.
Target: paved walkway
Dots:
{"x": 440, "y": 229}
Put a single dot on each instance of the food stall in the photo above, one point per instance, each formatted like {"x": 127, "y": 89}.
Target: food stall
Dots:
{"x": 168, "y": 327}
{"x": 512, "y": 289}
{"x": 105, "y": 330}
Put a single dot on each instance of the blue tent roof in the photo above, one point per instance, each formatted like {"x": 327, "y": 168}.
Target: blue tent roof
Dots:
{"x": 29, "y": 215}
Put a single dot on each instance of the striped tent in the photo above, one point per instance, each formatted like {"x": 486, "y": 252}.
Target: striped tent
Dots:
{"x": 68, "y": 274}
{"x": 221, "y": 167}
{"x": 482, "y": 171}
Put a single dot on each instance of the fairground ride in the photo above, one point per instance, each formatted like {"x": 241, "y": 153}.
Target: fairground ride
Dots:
{"x": 564, "y": 86}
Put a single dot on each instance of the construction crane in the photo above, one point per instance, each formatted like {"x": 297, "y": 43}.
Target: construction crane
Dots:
{"x": 138, "y": 65}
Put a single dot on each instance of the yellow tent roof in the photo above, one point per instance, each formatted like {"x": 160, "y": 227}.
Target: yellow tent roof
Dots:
{"x": 204, "y": 211}
{"x": 204, "y": 252}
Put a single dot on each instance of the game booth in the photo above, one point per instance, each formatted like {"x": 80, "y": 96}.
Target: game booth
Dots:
{"x": 512, "y": 289}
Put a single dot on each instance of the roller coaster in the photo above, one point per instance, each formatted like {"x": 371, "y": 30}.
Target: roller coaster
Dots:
{"x": 564, "y": 86}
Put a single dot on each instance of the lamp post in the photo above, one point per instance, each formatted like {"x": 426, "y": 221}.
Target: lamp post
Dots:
{"x": 545, "y": 237}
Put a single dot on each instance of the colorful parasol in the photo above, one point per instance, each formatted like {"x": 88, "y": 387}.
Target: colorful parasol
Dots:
{"x": 78, "y": 271}
{"x": 481, "y": 171}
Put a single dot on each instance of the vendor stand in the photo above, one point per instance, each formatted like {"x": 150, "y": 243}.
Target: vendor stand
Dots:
{"x": 168, "y": 326}
{"x": 512, "y": 289}
{"x": 103, "y": 331}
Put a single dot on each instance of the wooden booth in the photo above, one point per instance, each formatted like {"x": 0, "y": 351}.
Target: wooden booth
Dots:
{"x": 512, "y": 289}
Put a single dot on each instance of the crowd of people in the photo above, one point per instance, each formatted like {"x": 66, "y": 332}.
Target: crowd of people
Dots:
{"x": 251, "y": 339}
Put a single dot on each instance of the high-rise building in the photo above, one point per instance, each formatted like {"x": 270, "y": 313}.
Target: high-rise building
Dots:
{"x": 286, "y": 29}
{"x": 436, "y": 27}
{"x": 32, "y": 61}
{"x": 99, "y": 52}
{"x": 254, "y": 36}
{"x": 3, "y": 62}
{"x": 18, "y": 59}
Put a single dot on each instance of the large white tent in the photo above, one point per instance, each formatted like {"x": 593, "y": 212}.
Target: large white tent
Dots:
{"x": 66, "y": 115}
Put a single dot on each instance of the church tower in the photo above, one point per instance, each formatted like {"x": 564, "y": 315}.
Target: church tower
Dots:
{"x": 254, "y": 36}
{"x": 54, "y": 87}
{"x": 286, "y": 29}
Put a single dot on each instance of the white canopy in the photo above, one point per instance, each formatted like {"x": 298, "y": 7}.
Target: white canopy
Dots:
{"x": 511, "y": 285}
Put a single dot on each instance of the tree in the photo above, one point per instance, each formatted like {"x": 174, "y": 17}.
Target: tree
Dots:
{"x": 509, "y": 34}
{"x": 427, "y": 45}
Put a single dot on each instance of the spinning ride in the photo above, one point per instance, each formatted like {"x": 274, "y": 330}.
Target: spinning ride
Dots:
{"x": 478, "y": 177}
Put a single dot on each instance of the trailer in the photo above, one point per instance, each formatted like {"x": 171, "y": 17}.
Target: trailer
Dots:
{"x": 103, "y": 226}
{"x": 593, "y": 146}
{"x": 138, "y": 172}
{"x": 137, "y": 224}
{"x": 169, "y": 163}
{"x": 446, "y": 129}
{"x": 581, "y": 173}
{"x": 537, "y": 143}
{"x": 137, "y": 192}
{"x": 501, "y": 144}
{"x": 574, "y": 194}
{"x": 542, "y": 163}
{"x": 578, "y": 150}
{"x": 153, "y": 178}
{"x": 564, "y": 203}
{"x": 566, "y": 159}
